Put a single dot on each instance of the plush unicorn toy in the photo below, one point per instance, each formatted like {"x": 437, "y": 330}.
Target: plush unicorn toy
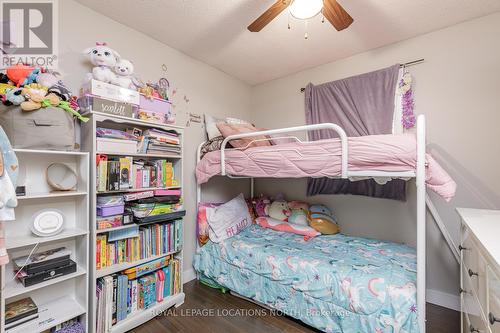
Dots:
{"x": 104, "y": 59}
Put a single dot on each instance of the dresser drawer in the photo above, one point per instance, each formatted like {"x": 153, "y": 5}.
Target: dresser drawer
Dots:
{"x": 472, "y": 321}
{"x": 468, "y": 251}
{"x": 493, "y": 301}
{"x": 475, "y": 266}
{"x": 471, "y": 307}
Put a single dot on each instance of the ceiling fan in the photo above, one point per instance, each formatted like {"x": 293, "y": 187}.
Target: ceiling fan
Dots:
{"x": 303, "y": 10}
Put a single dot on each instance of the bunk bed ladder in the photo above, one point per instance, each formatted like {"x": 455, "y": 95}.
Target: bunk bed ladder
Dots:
{"x": 442, "y": 227}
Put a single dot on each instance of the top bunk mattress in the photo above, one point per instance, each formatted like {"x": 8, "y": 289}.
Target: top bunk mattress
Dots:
{"x": 387, "y": 153}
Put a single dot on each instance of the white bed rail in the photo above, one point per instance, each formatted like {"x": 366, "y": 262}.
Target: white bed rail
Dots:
{"x": 328, "y": 126}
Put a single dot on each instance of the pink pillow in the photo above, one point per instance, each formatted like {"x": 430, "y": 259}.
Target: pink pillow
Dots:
{"x": 269, "y": 222}
{"x": 231, "y": 129}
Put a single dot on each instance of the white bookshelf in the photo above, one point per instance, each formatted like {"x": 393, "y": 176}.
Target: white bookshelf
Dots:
{"x": 98, "y": 119}
{"x": 65, "y": 297}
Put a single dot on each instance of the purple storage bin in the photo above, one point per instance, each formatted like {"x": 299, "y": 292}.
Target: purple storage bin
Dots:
{"x": 154, "y": 104}
{"x": 110, "y": 210}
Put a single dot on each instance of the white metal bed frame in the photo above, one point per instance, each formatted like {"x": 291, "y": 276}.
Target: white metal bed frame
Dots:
{"x": 418, "y": 174}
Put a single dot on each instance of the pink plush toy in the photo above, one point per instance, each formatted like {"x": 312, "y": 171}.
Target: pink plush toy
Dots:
{"x": 297, "y": 204}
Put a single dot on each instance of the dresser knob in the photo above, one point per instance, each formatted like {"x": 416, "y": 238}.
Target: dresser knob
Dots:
{"x": 493, "y": 319}
{"x": 460, "y": 247}
{"x": 471, "y": 273}
{"x": 472, "y": 329}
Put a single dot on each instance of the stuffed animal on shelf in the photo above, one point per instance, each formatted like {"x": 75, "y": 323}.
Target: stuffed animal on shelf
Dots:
{"x": 124, "y": 70}
{"x": 4, "y": 78}
{"x": 36, "y": 97}
{"x": 48, "y": 79}
{"x": 31, "y": 78}
{"x": 278, "y": 210}
{"x": 13, "y": 96}
{"x": 19, "y": 73}
{"x": 61, "y": 91}
{"x": 4, "y": 87}
{"x": 321, "y": 219}
{"x": 104, "y": 59}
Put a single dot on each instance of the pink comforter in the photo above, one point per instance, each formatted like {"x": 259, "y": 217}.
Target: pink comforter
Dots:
{"x": 322, "y": 159}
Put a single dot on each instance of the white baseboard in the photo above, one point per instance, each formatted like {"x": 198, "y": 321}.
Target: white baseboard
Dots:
{"x": 445, "y": 300}
{"x": 189, "y": 275}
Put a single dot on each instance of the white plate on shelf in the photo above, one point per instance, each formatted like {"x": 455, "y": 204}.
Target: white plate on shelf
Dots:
{"x": 47, "y": 222}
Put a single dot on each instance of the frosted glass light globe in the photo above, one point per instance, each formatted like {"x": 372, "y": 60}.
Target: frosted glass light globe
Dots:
{"x": 305, "y": 9}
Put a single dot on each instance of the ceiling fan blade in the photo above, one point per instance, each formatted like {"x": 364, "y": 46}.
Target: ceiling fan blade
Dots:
{"x": 269, "y": 15}
{"x": 336, "y": 14}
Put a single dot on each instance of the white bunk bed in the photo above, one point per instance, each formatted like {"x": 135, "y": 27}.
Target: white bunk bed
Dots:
{"x": 419, "y": 173}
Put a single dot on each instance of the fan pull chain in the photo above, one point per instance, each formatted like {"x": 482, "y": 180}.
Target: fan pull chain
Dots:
{"x": 289, "y": 27}
{"x": 306, "y": 35}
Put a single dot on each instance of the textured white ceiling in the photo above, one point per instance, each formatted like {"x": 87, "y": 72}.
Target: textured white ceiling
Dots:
{"x": 214, "y": 31}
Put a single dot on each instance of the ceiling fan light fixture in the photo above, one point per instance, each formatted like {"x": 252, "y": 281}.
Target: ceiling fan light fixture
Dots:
{"x": 305, "y": 9}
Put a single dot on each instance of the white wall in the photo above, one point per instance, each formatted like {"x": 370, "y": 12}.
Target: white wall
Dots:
{"x": 208, "y": 89}
{"x": 457, "y": 88}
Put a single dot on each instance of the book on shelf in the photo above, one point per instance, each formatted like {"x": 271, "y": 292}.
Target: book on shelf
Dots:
{"x": 124, "y": 173}
{"x": 153, "y": 240}
{"x": 19, "y": 312}
{"x": 154, "y": 141}
{"x": 118, "y": 296}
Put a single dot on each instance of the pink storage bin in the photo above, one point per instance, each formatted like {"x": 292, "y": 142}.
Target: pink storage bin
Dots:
{"x": 110, "y": 210}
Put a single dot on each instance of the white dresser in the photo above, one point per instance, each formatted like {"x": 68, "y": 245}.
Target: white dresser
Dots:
{"x": 480, "y": 270}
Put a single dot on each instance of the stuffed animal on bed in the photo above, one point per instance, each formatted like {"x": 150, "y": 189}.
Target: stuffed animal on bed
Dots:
{"x": 104, "y": 59}
{"x": 278, "y": 210}
{"x": 298, "y": 216}
{"x": 321, "y": 219}
{"x": 299, "y": 212}
{"x": 259, "y": 204}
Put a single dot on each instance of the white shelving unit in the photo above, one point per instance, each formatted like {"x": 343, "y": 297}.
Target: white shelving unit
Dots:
{"x": 98, "y": 119}
{"x": 65, "y": 297}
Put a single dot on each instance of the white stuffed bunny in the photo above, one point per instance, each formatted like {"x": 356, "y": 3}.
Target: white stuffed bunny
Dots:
{"x": 123, "y": 70}
{"x": 104, "y": 59}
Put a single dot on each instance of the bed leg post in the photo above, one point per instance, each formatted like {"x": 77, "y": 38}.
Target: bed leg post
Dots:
{"x": 252, "y": 187}
{"x": 421, "y": 222}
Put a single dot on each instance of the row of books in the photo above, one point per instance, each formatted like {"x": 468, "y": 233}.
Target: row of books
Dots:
{"x": 118, "y": 296}
{"x": 124, "y": 173}
{"x": 155, "y": 141}
{"x": 152, "y": 240}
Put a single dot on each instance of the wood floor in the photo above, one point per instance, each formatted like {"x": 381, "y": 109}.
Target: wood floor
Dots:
{"x": 207, "y": 310}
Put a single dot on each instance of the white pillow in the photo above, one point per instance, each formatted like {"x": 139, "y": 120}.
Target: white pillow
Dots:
{"x": 228, "y": 219}
{"x": 211, "y": 126}
{"x": 230, "y": 120}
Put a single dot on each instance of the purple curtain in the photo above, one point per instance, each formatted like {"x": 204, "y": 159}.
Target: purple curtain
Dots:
{"x": 361, "y": 105}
